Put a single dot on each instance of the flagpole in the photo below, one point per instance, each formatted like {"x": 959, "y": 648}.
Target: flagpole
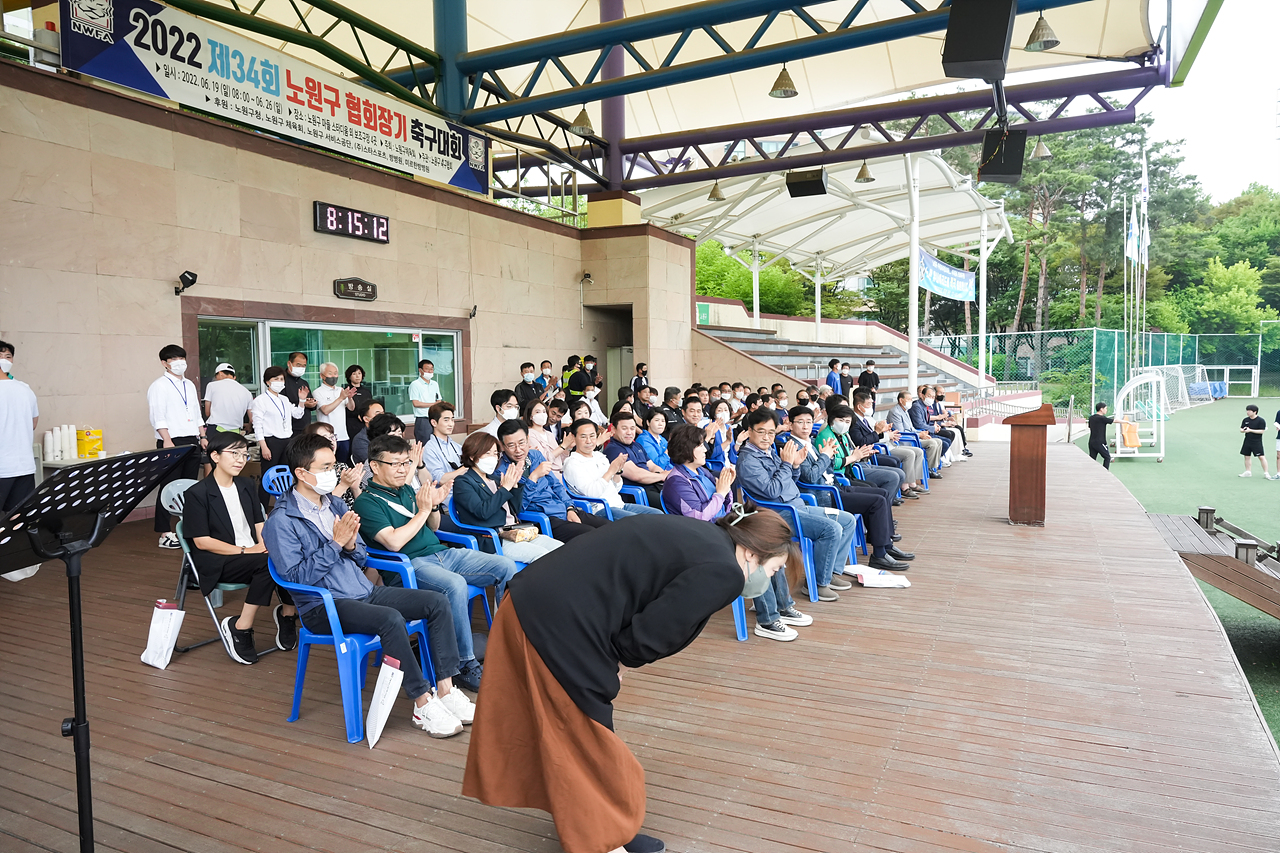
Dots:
{"x": 1124, "y": 263}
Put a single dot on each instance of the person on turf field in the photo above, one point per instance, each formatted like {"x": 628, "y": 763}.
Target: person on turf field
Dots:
{"x": 1253, "y": 428}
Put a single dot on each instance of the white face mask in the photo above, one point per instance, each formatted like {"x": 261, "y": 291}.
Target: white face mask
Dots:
{"x": 529, "y": 377}
{"x": 566, "y": 421}
{"x": 840, "y": 428}
{"x": 276, "y": 385}
{"x": 741, "y": 395}
{"x": 5, "y": 365}
{"x": 177, "y": 367}
{"x": 540, "y": 418}
{"x": 509, "y": 414}
{"x": 546, "y": 371}
{"x": 488, "y": 464}
{"x": 844, "y": 372}
{"x": 426, "y": 376}
{"x": 591, "y": 395}
{"x": 326, "y": 482}
{"x": 590, "y": 366}
{"x": 722, "y": 417}
{"x": 298, "y": 371}
{"x": 782, "y": 404}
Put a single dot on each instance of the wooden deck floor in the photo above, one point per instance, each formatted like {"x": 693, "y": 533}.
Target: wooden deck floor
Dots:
{"x": 1056, "y": 689}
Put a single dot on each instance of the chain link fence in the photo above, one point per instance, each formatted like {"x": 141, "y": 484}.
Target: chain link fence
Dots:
{"x": 1091, "y": 363}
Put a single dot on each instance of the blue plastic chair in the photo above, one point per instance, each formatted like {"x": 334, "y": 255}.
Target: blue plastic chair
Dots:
{"x": 393, "y": 561}
{"x": 487, "y": 532}
{"x": 739, "y": 604}
{"x": 787, "y": 511}
{"x": 351, "y": 650}
{"x": 585, "y": 503}
{"x": 640, "y": 495}
{"x": 539, "y": 518}
{"x": 277, "y": 480}
{"x": 860, "y": 530}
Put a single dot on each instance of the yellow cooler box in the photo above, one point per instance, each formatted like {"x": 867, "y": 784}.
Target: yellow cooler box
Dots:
{"x": 89, "y": 443}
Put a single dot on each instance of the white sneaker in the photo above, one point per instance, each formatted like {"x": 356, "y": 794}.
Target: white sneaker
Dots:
{"x": 946, "y": 463}
{"x": 1242, "y": 474}
{"x": 436, "y": 719}
{"x": 459, "y": 705}
{"x": 169, "y": 541}
{"x": 777, "y": 631}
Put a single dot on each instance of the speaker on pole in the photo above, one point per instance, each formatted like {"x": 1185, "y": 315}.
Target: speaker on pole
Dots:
{"x": 979, "y": 33}
{"x": 1003, "y": 151}
{"x": 807, "y": 182}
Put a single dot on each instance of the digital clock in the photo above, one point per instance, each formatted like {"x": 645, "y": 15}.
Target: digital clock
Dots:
{"x": 345, "y": 222}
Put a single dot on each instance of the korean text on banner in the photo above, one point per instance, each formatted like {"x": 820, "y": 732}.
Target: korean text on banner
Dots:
{"x": 944, "y": 279}
{"x": 155, "y": 49}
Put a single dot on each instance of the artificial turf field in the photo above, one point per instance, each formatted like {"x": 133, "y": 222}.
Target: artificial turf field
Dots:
{"x": 1201, "y": 466}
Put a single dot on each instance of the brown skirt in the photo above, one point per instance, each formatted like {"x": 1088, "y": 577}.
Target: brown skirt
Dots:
{"x": 532, "y": 747}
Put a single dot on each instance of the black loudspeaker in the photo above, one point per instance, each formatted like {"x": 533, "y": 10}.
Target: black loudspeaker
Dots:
{"x": 808, "y": 182}
{"x": 978, "y": 36}
{"x": 1002, "y": 155}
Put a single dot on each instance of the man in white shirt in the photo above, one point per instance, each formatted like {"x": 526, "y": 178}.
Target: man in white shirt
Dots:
{"x": 226, "y": 401}
{"x": 174, "y": 406}
{"x": 505, "y": 408}
{"x": 332, "y": 404}
{"x": 18, "y": 416}
{"x": 587, "y": 472}
{"x": 424, "y": 392}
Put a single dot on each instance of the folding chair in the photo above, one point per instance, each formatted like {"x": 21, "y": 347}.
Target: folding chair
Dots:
{"x": 352, "y": 652}
{"x": 787, "y": 511}
{"x": 172, "y": 499}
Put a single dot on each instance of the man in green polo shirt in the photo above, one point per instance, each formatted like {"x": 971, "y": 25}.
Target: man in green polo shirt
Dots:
{"x": 395, "y": 518}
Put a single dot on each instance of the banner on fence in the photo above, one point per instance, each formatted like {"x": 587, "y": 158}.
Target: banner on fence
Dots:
{"x": 155, "y": 49}
{"x": 944, "y": 279}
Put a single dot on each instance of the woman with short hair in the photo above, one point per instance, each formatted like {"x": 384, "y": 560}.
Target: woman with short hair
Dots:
{"x": 482, "y": 501}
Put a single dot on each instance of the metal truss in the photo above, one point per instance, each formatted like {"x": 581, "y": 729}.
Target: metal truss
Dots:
{"x": 545, "y": 54}
{"x": 832, "y": 137}
{"x": 421, "y": 65}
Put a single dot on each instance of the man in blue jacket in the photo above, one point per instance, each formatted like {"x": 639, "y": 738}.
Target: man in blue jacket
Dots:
{"x": 543, "y": 490}
{"x": 771, "y": 475}
{"x": 921, "y": 419}
{"x": 313, "y": 539}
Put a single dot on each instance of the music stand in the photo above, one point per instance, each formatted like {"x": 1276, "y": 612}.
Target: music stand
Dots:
{"x": 72, "y": 511}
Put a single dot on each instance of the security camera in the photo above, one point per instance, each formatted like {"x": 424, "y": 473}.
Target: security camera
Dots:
{"x": 188, "y": 280}
{"x": 586, "y": 278}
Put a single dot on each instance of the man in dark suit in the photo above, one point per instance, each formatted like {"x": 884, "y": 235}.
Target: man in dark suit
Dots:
{"x": 222, "y": 521}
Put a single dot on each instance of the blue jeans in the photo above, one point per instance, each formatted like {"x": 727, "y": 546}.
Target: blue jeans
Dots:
{"x": 449, "y": 571}
{"x": 633, "y": 509}
{"x": 775, "y": 598}
{"x": 831, "y": 534}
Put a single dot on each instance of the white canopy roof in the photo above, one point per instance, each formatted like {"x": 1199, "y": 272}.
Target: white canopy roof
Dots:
{"x": 852, "y": 229}
{"x": 1098, "y": 28}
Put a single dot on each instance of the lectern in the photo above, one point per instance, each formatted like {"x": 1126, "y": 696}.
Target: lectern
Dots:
{"x": 1027, "y": 451}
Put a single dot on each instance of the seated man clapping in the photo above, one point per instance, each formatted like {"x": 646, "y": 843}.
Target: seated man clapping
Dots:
{"x": 222, "y": 520}
{"x": 315, "y": 540}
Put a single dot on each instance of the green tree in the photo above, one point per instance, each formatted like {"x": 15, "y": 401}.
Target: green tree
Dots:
{"x": 1226, "y": 302}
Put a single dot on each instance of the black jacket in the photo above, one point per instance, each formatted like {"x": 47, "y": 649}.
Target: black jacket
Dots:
{"x": 863, "y": 434}
{"x": 526, "y": 391}
{"x": 205, "y": 514}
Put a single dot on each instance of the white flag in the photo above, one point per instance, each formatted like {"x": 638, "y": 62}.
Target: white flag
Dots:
{"x": 1145, "y": 191}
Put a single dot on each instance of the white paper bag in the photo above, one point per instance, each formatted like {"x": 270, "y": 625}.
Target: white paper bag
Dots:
{"x": 882, "y": 579}
{"x": 166, "y": 622}
{"x": 21, "y": 574}
{"x": 384, "y": 696}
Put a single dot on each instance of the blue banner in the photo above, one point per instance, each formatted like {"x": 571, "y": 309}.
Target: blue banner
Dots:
{"x": 167, "y": 53}
{"x": 944, "y": 279}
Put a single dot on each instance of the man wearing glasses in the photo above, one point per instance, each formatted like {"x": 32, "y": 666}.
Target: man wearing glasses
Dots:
{"x": 396, "y": 518}
{"x": 222, "y": 522}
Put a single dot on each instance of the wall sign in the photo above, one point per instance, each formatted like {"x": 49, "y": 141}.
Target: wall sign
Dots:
{"x": 159, "y": 50}
{"x": 345, "y": 222}
{"x": 944, "y": 279}
{"x": 355, "y": 288}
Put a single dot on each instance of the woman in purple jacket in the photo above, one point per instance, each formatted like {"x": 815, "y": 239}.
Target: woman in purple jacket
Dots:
{"x": 689, "y": 489}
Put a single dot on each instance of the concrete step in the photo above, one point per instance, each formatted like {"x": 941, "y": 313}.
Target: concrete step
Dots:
{"x": 752, "y": 334}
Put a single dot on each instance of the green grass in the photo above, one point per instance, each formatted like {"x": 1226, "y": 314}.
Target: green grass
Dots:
{"x": 1202, "y": 461}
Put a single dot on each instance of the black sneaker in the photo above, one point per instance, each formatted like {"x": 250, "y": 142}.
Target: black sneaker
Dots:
{"x": 286, "y": 629}
{"x": 777, "y": 631}
{"x": 469, "y": 677}
{"x": 239, "y": 643}
{"x": 645, "y": 844}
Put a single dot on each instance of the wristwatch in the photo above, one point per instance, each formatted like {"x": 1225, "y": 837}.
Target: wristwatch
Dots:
{"x": 241, "y": 549}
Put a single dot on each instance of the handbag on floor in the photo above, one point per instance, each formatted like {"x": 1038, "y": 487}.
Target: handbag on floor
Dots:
{"x": 166, "y": 622}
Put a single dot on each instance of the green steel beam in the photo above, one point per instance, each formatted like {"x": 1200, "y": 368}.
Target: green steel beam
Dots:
{"x": 271, "y": 29}
{"x": 1207, "y": 17}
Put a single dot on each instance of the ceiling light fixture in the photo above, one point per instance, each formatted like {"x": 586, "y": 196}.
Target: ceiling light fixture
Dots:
{"x": 582, "y": 125}
{"x": 1042, "y": 36}
{"x": 864, "y": 175}
{"x": 784, "y": 86}
{"x": 1041, "y": 151}
{"x": 715, "y": 194}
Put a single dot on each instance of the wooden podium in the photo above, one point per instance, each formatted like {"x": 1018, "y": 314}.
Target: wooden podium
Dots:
{"x": 1027, "y": 450}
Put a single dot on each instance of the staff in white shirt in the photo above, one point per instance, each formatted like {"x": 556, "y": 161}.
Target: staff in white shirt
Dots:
{"x": 18, "y": 417}
{"x": 332, "y": 405}
{"x": 424, "y": 392}
{"x": 273, "y": 415}
{"x": 225, "y": 400}
{"x": 174, "y": 407}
